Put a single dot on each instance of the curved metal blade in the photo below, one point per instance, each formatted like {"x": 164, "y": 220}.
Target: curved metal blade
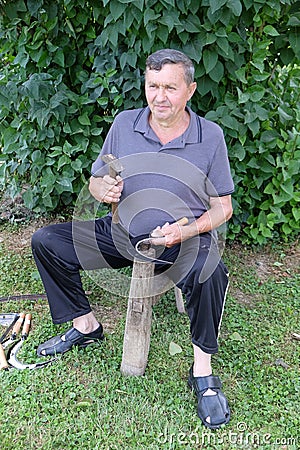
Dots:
{"x": 14, "y": 362}
{"x": 143, "y": 246}
{"x": 15, "y": 331}
{"x": 156, "y": 242}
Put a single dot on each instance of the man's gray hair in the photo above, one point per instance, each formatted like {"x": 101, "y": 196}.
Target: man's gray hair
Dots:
{"x": 169, "y": 56}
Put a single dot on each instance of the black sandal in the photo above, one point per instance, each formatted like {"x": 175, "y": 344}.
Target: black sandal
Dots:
{"x": 213, "y": 410}
{"x": 64, "y": 342}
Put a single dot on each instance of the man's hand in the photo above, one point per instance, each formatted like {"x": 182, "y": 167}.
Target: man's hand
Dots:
{"x": 220, "y": 211}
{"x": 169, "y": 235}
{"x": 106, "y": 189}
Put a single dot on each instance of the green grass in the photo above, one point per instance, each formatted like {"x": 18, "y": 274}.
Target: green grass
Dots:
{"x": 83, "y": 402}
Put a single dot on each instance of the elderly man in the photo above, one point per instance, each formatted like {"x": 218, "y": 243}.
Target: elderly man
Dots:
{"x": 175, "y": 165}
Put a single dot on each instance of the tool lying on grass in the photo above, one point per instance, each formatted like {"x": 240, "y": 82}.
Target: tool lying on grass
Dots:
{"x": 14, "y": 345}
{"x": 155, "y": 242}
{"x": 15, "y": 326}
{"x": 13, "y": 298}
{"x": 9, "y": 320}
{"x": 115, "y": 168}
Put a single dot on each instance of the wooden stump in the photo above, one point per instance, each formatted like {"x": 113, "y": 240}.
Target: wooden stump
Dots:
{"x": 146, "y": 288}
{"x": 138, "y": 321}
{"x": 179, "y": 300}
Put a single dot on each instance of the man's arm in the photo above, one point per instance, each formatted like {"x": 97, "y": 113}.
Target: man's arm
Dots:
{"x": 220, "y": 211}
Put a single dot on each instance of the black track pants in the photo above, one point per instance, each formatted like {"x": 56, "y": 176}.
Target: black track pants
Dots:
{"x": 61, "y": 251}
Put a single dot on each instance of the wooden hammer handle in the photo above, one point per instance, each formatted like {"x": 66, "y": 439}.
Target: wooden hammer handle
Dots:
{"x": 114, "y": 211}
{"x": 114, "y": 206}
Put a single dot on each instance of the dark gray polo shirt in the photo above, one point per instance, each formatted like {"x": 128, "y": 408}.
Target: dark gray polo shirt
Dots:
{"x": 165, "y": 182}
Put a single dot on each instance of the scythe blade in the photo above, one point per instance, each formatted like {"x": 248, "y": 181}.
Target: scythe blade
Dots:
{"x": 14, "y": 362}
{"x": 12, "y": 354}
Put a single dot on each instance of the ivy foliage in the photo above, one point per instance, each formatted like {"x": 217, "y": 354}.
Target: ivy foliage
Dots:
{"x": 68, "y": 67}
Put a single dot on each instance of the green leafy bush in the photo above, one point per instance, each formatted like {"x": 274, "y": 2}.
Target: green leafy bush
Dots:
{"x": 54, "y": 104}
{"x": 68, "y": 67}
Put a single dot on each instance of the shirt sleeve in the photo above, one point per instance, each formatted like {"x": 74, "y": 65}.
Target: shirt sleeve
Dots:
{"x": 219, "y": 180}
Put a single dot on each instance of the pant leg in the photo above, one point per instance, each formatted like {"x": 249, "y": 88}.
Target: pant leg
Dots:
{"x": 203, "y": 278}
{"x": 205, "y": 304}
{"x": 61, "y": 251}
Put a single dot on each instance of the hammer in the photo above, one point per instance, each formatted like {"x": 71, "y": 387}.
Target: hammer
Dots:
{"x": 115, "y": 168}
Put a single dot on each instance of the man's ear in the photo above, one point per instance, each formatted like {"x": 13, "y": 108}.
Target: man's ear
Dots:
{"x": 192, "y": 88}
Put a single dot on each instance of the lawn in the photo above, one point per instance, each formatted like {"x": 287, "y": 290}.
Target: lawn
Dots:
{"x": 82, "y": 401}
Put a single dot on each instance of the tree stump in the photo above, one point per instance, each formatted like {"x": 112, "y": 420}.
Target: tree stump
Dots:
{"x": 138, "y": 321}
{"x": 145, "y": 290}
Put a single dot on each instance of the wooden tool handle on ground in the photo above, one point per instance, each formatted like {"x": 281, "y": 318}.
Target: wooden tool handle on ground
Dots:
{"x": 17, "y": 326}
{"x": 26, "y": 326}
{"x": 3, "y": 361}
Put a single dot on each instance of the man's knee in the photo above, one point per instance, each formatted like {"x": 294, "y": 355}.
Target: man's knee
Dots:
{"x": 36, "y": 239}
{"x": 42, "y": 238}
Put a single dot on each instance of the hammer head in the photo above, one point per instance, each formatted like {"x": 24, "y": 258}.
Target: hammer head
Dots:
{"x": 113, "y": 163}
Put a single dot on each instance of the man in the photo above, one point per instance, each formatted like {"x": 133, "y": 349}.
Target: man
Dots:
{"x": 175, "y": 165}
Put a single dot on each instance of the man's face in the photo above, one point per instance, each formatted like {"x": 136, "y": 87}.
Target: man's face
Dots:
{"x": 167, "y": 93}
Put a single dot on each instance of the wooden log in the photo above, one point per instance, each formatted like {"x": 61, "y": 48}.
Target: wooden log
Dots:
{"x": 146, "y": 288}
{"x": 162, "y": 284}
{"x": 179, "y": 300}
{"x": 138, "y": 321}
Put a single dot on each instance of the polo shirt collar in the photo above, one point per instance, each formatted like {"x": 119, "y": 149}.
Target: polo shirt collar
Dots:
{"x": 192, "y": 135}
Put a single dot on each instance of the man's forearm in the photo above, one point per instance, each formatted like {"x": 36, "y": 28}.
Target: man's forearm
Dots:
{"x": 212, "y": 219}
{"x": 219, "y": 213}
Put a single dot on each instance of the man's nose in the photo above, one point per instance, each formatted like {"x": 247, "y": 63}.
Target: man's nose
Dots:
{"x": 161, "y": 93}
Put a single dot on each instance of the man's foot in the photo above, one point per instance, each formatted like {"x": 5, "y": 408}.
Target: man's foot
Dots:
{"x": 213, "y": 407}
{"x": 65, "y": 341}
